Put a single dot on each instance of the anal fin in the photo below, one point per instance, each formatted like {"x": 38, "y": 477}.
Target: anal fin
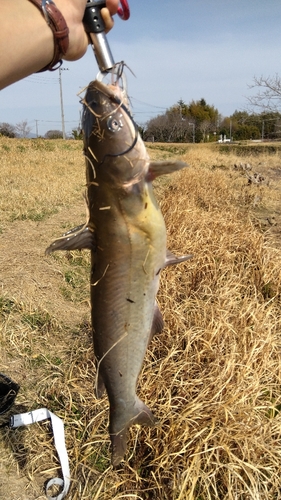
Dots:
{"x": 157, "y": 322}
{"x": 100, "y": 387}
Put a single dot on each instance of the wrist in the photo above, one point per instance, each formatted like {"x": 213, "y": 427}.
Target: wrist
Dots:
{"x": 56, "y": 22}
{"x": 73, "y": 13}
{"x": 28, "y": 47}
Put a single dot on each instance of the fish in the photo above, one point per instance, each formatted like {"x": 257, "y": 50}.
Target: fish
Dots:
{"x": 126, "y": 234}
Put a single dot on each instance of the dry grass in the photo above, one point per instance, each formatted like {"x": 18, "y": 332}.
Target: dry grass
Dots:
{"x": 38, "y": 178}
{"x": 212, "y": 377}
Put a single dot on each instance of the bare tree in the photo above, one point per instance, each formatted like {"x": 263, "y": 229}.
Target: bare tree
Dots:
{"x": 205, "y": 127}
{"x": 23, "y": 129}
{"x": 54, "y": 134}
{"x": 268, "y": 95}
{"x": 170, "y": 127}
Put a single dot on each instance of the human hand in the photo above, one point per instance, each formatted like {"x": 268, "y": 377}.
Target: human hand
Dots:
{"x": 36, "y": 48}
{"x": 73, "y": 12}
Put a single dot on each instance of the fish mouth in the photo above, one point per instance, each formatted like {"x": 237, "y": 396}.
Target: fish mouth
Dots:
{"x": 102, "y": 103}
{"x": 114, "y": 93}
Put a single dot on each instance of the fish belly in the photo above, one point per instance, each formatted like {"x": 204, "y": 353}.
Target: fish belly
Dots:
{"x": 124, "y": 282}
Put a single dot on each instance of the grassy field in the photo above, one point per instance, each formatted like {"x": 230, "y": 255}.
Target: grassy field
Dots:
{"x": 213, "y": 376}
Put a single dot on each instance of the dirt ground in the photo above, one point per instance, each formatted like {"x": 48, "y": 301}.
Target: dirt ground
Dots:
{"x": 29, "y": 276}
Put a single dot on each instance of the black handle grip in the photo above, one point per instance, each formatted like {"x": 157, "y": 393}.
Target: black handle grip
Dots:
{"x": 92, "y": 20}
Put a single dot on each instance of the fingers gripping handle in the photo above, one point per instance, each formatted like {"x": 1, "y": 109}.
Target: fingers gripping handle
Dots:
{"x": 94, "y": 25}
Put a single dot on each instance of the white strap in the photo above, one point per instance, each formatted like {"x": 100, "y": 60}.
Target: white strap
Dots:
{"x": 58, "y": 431}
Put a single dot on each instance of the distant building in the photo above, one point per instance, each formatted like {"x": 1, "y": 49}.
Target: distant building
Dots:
{"x": 223, "y": 139}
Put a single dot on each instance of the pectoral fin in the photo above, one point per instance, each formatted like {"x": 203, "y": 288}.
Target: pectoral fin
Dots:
{"x": 172, "y": 259}
{"x": 157, "y": 168}
{"x": 76, "y": 239}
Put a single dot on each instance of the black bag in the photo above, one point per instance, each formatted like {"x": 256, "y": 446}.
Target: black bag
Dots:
{"x": 8, "y": 392}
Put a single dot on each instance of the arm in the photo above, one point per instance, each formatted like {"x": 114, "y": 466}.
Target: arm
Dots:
{"x": 27, "y": 42}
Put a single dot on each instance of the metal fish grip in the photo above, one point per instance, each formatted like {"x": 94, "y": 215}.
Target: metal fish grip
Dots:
{"x": 116, "y": 76}
{"x": 94, "y": 26}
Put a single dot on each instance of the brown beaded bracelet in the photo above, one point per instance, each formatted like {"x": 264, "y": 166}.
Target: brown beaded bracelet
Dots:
{"x": 57, "y": 23}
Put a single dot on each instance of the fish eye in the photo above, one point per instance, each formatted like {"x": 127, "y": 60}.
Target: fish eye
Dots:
{"x": 113, "y": 124}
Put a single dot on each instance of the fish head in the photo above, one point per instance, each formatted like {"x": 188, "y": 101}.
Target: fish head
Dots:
{"x": 110, "y": 133}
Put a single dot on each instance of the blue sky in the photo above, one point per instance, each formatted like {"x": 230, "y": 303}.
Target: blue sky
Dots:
{"x": 178, "y": 49}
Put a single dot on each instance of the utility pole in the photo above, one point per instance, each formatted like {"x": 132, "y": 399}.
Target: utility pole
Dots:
{"x": 61, "y": 102}
{"x": 36, "y": 121}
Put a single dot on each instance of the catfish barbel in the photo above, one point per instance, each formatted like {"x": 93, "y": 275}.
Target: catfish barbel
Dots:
{"x": 127, "y": 237}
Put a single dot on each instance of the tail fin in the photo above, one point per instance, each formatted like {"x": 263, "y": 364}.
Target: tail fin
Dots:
{"x": 142, "y": 416}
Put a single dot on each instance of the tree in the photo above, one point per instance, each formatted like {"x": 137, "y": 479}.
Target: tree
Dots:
{"x": 268, "y": 95}
{"x": 205, "y": 126}
{"x": 7, "y": 130}
{"x": 169, "y": 127}
{"x": 77, "y": 133}
{"x": 23, "y": 129}
{"x": 243, "y": 125}
{"x": 159, "y": 128}
{"x": 54, "y": 134}
{"x": 205, "y": 117}
{"x": 245, "y": 132}
{"x": 185, "y": 122}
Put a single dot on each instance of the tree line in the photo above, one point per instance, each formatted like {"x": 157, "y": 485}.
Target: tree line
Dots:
{"x": 202, "y": 122}
{"x": 199, "y": 121}
{"x": 22, "y": 129}
{"x": 193, "y": 122}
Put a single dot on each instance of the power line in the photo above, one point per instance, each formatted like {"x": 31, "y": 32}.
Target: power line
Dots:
{"x": 146, "y": 103}
{"x": 145, "y": 112}
{"x": 43, "y": 81}
{"x": 56, "y": 121}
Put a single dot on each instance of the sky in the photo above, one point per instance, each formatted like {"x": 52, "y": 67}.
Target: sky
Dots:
{"x": 179, "y": 49}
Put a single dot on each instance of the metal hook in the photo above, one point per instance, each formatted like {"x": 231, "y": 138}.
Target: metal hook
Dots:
{"x": 124, "y": 10}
